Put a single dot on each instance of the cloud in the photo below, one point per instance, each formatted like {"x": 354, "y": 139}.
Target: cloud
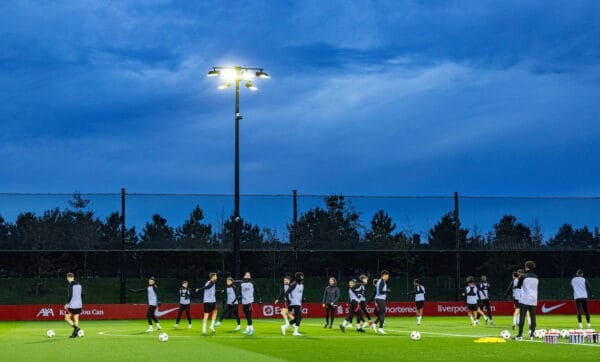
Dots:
{"x": 385, "y": 97}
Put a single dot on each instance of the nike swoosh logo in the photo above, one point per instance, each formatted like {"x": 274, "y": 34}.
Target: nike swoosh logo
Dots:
{"x": 160, "y": 313}
{"x": 550, "y": 309}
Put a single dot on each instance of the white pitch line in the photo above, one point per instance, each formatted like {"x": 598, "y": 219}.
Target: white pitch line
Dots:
{"x": 231, "y": 334}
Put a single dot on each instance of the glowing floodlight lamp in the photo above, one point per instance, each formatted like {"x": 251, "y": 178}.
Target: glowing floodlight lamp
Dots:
{"x": 251, "y": 86}
{"x": 261, "y": 74}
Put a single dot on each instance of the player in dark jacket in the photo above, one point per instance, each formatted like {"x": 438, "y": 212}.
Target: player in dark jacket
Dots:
{"x": 331, "y": 295}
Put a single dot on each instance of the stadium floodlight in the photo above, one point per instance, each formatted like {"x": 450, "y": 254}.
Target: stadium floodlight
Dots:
{"x": 261, "y": 74}
{"x": 224, "y": 85}
{"x": 229, "y": 75}
{"x": 213, "y": 73}
{"x": 251, "y": 86}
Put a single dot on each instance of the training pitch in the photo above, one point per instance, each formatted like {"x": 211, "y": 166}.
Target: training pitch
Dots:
{"x": 442, "y": 339}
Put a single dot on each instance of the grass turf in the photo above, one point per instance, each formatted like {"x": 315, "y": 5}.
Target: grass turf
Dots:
{"x": 443, "y": 339}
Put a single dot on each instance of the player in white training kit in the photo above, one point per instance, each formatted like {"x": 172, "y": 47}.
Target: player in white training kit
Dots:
{"x": 381, "y": 292}
{"x": 472, "y": 295}
{"x": 294, "y": 295}
{"x": 528, "y": 283}
{"x": 248, "y": 290}
{"x": 185, "y": 295}
{"x": 581, "y": 293}
{"x": 74, "y": 304}
{"x": 231, "y": 303}
{"x": 419, "y": 299}
{"x": 285, "y": 312}
{"x": 484, "y": 300}
{"x": 210, "y": 302}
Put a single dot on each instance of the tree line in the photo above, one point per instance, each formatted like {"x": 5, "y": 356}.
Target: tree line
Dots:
{"x": 334, "y": 226}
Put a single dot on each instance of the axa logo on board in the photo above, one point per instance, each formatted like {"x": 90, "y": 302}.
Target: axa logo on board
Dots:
{"x": 49, "y": 312}
{"x": 45, "y": 313}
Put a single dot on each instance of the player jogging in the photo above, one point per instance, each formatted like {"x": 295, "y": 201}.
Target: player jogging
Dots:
{"x": 285, "y": 312}
{"x": 419, "y": 299}
{"x": 331, "y": 295}
{"x": 528, "y": 283}
{"x": 231, "y": 304}
{"x": 362, "y": 298}
{"x": 353, "y": 288}
{"x": 581, "y": 292}
{"x": 471, "y": 295}
{"x": 381, "y": 292}
{"x": 210, "y": 302}
{"x": 484, "y": 300}
{"x": 185, "y": 294}
{"x": 294, "y": 294}
{"x": 74, "y": 304}
{"x": 248, "y": 291}
{"x": 514, "y": 293}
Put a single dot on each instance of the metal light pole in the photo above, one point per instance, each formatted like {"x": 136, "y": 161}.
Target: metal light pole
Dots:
{"x": 237, "y": 74}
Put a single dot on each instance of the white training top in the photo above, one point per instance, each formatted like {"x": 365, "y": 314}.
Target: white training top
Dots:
{"x": 420, "y": 293}
{"x": 529, "y": 289}
{"x": 516, "y": 291}
{"x": 247, "y": 289}
{"x": 472, "y": 294}
{"x": 210, "y": 295}
{"x": 579, "y": 288}
{"x": 295, "y": 295}
{"x": 483, "y": 290}
{"x": 381, "y": 289}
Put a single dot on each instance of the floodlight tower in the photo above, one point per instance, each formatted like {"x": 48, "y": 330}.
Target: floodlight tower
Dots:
{"x": 230, "y": 75}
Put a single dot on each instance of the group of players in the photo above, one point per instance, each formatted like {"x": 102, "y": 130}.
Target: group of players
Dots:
{"x": 523, "y": 289}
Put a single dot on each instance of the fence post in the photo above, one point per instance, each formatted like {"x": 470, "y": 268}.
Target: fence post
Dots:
{"x": 295, "y": 221}
{"x": 123, "y": 279}
{"x": 457, "y": 236}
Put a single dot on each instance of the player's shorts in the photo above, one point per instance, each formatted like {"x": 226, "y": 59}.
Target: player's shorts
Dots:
{"x": 74, "y": 311}
{"x": 472, "y": 307}
{"x": 209, "y": 307}
{"x": 517, "y": 304}
{"x": 184, "y": 306}
{"x": 420, "y": 304}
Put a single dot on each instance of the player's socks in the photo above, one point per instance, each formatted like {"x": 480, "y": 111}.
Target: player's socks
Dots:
{"x": 238, "y": 328}
{"x": 176, "y": 326}
{"x": 190, "y": 325}
{"x": 158, "y": 327}
{"x": 150, "y": 329}
{"x": 296, "y": 333}
{"x": 580, "y": 325}
{"x": 589, "y": 325}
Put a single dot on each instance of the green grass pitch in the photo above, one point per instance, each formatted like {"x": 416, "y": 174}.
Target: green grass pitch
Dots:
{"x": 443, "y": 339}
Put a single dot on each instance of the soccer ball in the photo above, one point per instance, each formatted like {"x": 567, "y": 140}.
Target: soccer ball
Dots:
{"x": 564, "y": 333}
{"x": 50, "y": 333}
{"x": 539, "y": 333}
{"x": 415, "y": 335}
{"x": 505, "y": 334}
{"x": 163, "y": 337}
{"x": 80, "y": 333}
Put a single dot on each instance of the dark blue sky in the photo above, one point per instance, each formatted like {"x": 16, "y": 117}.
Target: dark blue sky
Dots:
{"x": 366, "y": 97}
